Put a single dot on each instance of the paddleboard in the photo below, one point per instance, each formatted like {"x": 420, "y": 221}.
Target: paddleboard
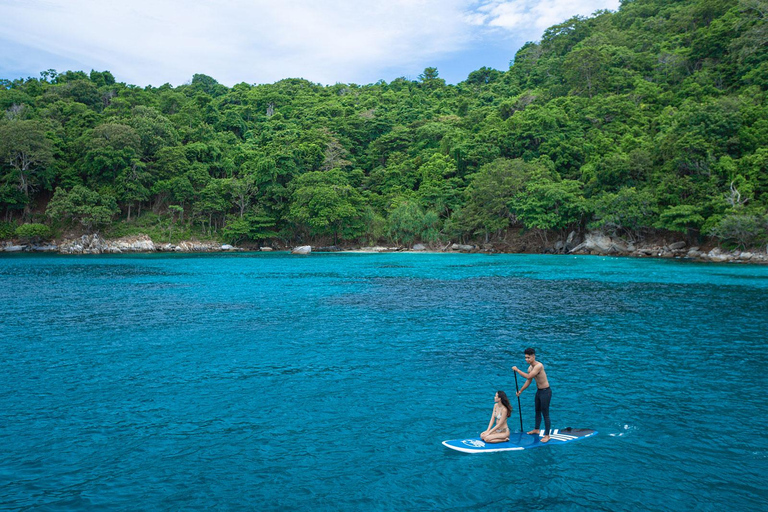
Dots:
{"x": 519, "y": 441}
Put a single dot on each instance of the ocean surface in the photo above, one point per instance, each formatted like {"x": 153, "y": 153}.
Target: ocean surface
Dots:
{"x": 327, "y": 382}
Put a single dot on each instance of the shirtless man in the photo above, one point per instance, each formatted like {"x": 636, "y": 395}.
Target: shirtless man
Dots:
{"x": 543, "y": 393}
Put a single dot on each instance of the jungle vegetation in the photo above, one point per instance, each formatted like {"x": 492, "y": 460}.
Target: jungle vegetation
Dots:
{"x": 653, "y": 117}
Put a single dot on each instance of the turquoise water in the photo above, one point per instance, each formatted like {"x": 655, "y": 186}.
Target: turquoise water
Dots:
{"x": 266, "y": 381}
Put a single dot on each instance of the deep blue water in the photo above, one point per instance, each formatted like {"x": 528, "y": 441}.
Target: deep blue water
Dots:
{"x": 267, "y": 381}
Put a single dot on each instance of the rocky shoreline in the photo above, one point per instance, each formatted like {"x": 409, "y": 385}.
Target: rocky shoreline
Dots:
{"x": 95, "y": 244}
{"x": 592, "y": 244}
{"x": 603, "y": 245}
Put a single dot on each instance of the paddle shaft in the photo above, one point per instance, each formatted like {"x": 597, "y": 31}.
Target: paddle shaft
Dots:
{"x": 518, "y": 404}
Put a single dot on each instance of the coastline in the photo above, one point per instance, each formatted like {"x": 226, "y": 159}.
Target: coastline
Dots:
{"x": 594, "y": 244}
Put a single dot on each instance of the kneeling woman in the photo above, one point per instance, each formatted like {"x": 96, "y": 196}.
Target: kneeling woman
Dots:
{"x": 501, "y": 411}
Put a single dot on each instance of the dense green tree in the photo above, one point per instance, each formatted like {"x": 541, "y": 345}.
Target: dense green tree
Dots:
{"x": 327, "y": 204}
{"x": 490, "y": 194}
{"x": 83, "y": 206}
{"x": 408, "y": 222}
{"x": 551, "y": 204}
{"x": 254, "y": 226}
{"x": 625, "y": 213}
{"x": 33, "y": 232}
{"x": 112, "y": 149}
{"x": 742, "y": 230}
{"x": 27, "y": 152}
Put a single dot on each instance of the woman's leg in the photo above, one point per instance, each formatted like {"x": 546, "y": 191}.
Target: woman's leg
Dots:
{"x": 497, "y": 437}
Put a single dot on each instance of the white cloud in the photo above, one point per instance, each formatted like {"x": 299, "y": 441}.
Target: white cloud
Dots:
{"x": 258, "y": 41}
{"x": 534, "y": 16}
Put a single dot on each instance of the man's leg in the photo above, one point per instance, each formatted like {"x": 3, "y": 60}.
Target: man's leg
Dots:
{"x": 546, "y": 397}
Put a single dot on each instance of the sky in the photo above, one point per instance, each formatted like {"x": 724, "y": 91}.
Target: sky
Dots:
{"x": 153, "y": 42}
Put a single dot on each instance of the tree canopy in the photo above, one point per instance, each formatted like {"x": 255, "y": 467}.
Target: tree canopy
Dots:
{"x": 651, "y": 117}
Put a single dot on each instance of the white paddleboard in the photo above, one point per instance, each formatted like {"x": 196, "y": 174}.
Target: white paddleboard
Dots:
{"x": 519, "y": 441}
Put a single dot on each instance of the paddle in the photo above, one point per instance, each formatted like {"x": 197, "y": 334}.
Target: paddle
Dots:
{"x": 518, "y": 404}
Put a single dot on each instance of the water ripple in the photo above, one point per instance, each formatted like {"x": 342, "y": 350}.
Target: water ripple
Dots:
{"x": 184, "y": 382}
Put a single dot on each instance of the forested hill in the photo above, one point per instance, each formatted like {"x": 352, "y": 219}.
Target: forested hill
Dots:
{"x": 650, "y": 118}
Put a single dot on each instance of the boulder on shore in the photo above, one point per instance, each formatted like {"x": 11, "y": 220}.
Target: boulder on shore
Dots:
{"x": 45, "y": 248}
{"x": 677, "y": 246}
{"x": 304, "y": 249}
{"x": 86, "y": 244}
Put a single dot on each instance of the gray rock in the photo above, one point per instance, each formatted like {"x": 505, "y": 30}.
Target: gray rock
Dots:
{"x": 227, "y": 247}
{"x": 597, "y": 243}
{"x": 462, "y": 247}
{"x": 194, "y": 246}
{"x": 15, "y": 248}
{"x": 572, "y": 241}
{"x": 746, "y": 256}
{"x": 717, "y": 255}
{"x": 677, "y": 246}
{"x": 304, "y": 249}
{"x": 419, "y": 247}
{"x": 86, "y": 244}
{"x": 265, "y": 249}
{"x": 45, "y": 248}
{"x": 619, "y": 247}
{"x": 582, "y": 247}
{"x": 130, "y": 244}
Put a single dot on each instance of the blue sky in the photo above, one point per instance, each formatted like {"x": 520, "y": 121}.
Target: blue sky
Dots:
{"x": 152, "y": 42}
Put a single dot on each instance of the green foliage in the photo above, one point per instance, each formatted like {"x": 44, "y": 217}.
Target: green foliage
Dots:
{"x": 490, "y": 195}
{"x": 683, "y": 218}
{"x": 82, "y": 205}
{"x": 155, "y": 226}
{"x": 33, "y": 232}
{"x": 654, "y": 116}
{"x": 7, "y": 230}
{"x": 742, "y": 230}
{"x": 251, "y": 227}
{"x": 550, "y": 204}
{"x": 27, "y": 152}
{"x": 327, "y": 204}
{"x": 408, "y": 223}
{"x": 626, "y": 212}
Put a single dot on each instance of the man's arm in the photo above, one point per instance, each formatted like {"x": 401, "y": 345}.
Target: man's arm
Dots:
{"x": 531, "y": 374}
{"x": 527, "y": 383}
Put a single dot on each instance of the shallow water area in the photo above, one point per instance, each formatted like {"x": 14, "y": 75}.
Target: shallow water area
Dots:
{"x": 329, "y": 381}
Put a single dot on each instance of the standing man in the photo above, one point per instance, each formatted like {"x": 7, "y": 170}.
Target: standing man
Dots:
{"x": 543, "y": 393}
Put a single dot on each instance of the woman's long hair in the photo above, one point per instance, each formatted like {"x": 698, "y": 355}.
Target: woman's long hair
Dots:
{"x": 505, "y": 402}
